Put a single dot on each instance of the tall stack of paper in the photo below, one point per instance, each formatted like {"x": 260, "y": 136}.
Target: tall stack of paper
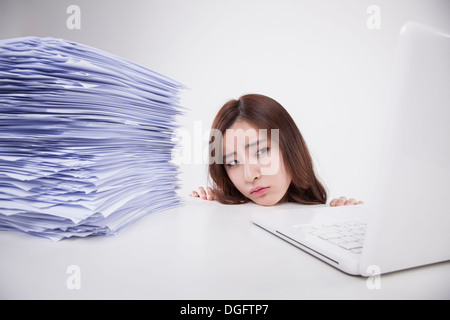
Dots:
{"x": 85, "y": 139}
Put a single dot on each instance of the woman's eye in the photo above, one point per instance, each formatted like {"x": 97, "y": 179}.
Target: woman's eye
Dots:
{"x": 262, "y": 151}
{"x": 232, "y": 163}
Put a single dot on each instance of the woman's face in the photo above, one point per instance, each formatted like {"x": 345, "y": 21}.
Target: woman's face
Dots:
{"x": 254, "y": 163}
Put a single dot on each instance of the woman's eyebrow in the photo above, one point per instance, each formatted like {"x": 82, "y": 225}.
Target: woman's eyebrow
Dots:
{"x": 248, "y": 145}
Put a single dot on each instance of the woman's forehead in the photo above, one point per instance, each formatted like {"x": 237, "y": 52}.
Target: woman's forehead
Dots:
{"x": 242, "y": 124}
{"x": 243, "y": 132}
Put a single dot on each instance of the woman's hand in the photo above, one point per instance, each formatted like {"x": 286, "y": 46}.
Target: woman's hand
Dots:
{"x": 342, "y": 201}
{"x": 201, "y": 193}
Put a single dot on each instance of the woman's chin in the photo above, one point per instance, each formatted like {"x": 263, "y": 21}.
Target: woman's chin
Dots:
{"x": 265, "y": 201}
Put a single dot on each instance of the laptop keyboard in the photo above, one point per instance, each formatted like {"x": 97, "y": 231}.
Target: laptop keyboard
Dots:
{"x": 345, "y": 234}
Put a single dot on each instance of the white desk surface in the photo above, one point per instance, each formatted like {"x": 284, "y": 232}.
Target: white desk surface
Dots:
{"x": 201, "y": 250}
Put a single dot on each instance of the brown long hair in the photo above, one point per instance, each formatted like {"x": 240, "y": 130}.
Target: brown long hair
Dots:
{"x": 266, "y": 113}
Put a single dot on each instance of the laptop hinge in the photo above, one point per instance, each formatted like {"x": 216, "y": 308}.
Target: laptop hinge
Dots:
{"x": 301, "y": 244}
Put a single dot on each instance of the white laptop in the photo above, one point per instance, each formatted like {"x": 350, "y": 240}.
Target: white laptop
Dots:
{"x": 409, "y": 223}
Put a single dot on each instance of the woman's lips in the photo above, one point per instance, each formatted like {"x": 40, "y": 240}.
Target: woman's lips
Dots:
{"x": 259, "y": 191}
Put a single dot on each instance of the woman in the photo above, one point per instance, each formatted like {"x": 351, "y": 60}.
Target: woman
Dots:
{"x": 260, "y": 155}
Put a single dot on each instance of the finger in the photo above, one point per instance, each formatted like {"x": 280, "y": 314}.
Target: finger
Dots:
{"x": 201, "y": 192}
{"x": 341, "y": 201}
{"x": 209, "y": 193}
{"x": 360, "y": 202}
{"x": 333, "y": 202}
{"x": 350, "y": 202}
{"x": 194, "y": 194}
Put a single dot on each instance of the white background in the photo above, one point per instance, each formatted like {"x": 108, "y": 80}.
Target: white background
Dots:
{"x": 317, "y": 58}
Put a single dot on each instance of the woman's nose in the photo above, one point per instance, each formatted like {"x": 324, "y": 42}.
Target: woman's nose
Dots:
{"x": 252, "y": 172}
